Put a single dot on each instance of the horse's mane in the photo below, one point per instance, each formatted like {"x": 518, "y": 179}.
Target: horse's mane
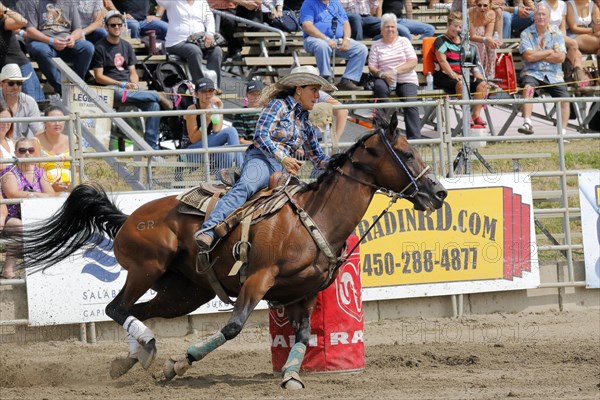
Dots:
{"x": 339, "y": 159}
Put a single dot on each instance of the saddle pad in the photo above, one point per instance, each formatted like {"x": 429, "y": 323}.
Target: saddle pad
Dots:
{"x": 199, "y": 197}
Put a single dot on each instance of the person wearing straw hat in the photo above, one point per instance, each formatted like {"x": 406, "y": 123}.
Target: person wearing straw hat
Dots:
{"x": 283, "y": 132}
{"x": 21, "y": 104}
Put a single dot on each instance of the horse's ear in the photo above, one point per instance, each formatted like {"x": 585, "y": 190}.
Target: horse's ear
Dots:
{"x": 391, "y": 128}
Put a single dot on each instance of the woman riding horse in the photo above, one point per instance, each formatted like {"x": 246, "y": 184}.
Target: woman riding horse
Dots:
{"x": 282, "y": 133}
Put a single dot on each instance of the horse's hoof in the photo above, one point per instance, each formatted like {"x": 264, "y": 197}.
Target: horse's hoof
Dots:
{"x": 175, "y": 367}
{"x": 147, "y": 353}
{"x": 120, "y": 366}
{"x": 292, "y": 381}
{"x": 169, "y": 369}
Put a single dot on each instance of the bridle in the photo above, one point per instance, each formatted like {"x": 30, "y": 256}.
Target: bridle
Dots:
{"x": 388, "y": 192}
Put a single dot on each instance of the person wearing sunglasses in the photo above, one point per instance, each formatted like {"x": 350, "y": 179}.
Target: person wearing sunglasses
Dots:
{"x": 7, "y": 149}
{"x": 20, "y": 104}
{"x": 23, "y": 180}
{"x": 481, "y": 31}
{"x": 114, "y": 66}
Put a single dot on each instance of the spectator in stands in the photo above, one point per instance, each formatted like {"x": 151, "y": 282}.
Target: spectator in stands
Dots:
{"x": 393, "y": 60}
{"x": 19, "y": 181}
{"x": 271, "y": 9}
{"x": 363, "y": 19}
{"x": 114, "y": 66}
{"x": 55, "y": 143}
{"x": 20, "y": 104}
{"x": 543, "y": 50}
{"x": 91, "y": 13}
{"x": 558, "y": 18}
{"x": 583, "y": 23}
{"x": 448, "y": 71}
{"x": 138, "y": 20}
{"x": 184, "y": 20}
{"x": 283, "y": 130}
{"x": 7, "y": 149}
{"x": 54, "y": 30}
{"x": 413, "y": 26}
{"x": 245, "y": 124}
{"x": 217, "y": 134}
{"x": 516, "y": 18}
{"x": 317, "y": 18}
{"x": 11, "y": 52}
{"x": 482, "y": 20}
{"x": 248, "y": 9}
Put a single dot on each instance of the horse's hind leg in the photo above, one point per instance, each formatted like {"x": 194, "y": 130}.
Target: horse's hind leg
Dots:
{"x": 299, "y": 317}
{"x": 176, "y": 296}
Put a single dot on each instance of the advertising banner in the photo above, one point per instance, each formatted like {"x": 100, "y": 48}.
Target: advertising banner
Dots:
{"x": 79, "y": 288}
{"x": 79, "y": 102}
{"x": 482, "y": 239}
{"x": 589, "y": 200}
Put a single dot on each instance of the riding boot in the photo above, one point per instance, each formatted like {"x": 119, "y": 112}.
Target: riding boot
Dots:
{"x": 204, "y": 240}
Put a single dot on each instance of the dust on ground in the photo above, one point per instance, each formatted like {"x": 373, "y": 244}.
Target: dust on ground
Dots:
{"x": 547, "y": 355}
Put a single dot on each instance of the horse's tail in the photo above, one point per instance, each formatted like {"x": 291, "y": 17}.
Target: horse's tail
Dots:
{"x": 86, "y": 218}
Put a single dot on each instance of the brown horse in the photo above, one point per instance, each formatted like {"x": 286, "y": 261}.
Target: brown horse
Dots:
{"x": 285, "y": 264}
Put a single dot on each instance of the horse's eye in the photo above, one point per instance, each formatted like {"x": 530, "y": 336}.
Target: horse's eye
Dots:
{"x": 407, "y": 155}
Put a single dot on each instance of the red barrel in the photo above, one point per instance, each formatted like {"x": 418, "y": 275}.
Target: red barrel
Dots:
{"x": 337, "y": 325}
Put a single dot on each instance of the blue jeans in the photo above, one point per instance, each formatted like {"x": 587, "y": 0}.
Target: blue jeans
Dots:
{"x": 79, "y": 56}
{"x": 255, "y": 176}
{"x": 145, "y": 101}
{"x": 96, "y": 35}
{"x": 31, "y": 86}
{"x": 511, "y": 22}
{"x": 417, "y": 27}
{"x": 369, "y": 25}
{"x": 227, "y": 136}
{"x": 356, "y": 56}
{"x": 139, "y": 28}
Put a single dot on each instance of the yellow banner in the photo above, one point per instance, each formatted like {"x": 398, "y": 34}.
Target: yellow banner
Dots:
{"x": 472, "y": 237}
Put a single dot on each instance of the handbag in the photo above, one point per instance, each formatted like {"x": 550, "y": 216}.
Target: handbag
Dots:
{"x": 198, "y": 39}
{"x": 288, "y": 22}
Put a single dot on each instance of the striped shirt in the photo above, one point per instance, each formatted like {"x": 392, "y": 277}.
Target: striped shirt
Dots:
{"x": 387, "y": 56}
{"x": 245, "y": 124}
{"x": 360, "y": 7}
{"x": 450, "y": 49}
{"x": 283, "y": 128}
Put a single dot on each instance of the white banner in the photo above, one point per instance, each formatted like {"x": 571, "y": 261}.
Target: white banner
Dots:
{"x": 79, "y": 288}
{"x": 589, "y": 200}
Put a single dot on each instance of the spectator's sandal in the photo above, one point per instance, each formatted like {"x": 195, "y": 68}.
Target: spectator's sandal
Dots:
{"x": 526, "y": 129}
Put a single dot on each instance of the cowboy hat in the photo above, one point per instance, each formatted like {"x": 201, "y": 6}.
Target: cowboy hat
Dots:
{"x": 299, "y": 76}
{"x": 12, "y": 72}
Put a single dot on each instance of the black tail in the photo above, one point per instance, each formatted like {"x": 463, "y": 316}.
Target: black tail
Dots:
{"x": 86, "y": 217}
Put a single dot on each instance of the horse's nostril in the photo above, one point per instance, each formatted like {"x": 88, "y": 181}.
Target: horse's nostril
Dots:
{"x": 442, "y": 194}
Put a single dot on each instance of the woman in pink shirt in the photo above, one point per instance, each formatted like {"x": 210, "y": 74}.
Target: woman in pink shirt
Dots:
{"x": 392, "y": 61}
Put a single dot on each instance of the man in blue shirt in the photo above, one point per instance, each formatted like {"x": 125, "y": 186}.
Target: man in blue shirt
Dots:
{"x": 543, "y": 50}
{"x": 319, "y": 18}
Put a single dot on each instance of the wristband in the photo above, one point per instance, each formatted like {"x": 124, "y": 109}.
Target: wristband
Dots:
{"x": 484, "y": 39}
{"x": 326, "y": 39}
{"x": 516, "y": 11}
{"x": 123, "y": 85}
{"x": 380, "y": 74}
{"x": 83, "y": 35}
{"x": 51, "y": 41}
{"x": 21, "y": 33}
{"x": 282, "y": 158}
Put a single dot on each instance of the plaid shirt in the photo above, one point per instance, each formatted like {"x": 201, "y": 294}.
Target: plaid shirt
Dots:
{"x": 360, "y": 7}
{"x": 542, "y": 70}
{"x": 283, "y": 128}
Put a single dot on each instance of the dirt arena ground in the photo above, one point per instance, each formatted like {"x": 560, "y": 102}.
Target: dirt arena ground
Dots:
{"x": 546, "y": 355}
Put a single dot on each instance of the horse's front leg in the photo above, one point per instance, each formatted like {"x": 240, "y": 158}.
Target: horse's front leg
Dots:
{"x": 253, "y": 290}
{"x": 299, "y": 317}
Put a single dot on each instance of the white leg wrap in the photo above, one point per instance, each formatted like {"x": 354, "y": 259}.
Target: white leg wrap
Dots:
{"x": 138, "y": 330}
{"x": 134, "y": 346}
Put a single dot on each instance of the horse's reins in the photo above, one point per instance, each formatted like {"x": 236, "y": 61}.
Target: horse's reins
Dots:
{"x": 394, "y": 196}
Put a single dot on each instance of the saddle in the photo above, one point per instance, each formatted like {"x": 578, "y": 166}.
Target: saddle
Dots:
{"x": 202, "y": 199}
